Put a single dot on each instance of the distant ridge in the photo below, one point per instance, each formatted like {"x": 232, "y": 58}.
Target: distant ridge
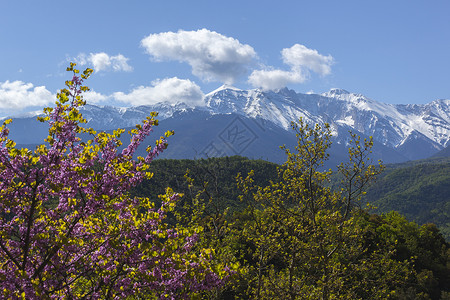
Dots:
{"x": 254, "y": 121}
{"x": 443, "y": 153}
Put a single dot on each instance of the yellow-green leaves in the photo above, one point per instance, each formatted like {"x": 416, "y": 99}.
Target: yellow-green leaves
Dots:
{"x": 169, "y": 133}
{"x": 10, "y": 144}
{"x": 303, "y": 225}
{"x": 70, "y": 68}
{"x": 74, "y": 115}
{"x": 85, "y": 75}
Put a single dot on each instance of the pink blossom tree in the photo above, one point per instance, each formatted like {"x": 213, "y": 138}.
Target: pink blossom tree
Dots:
{"x": 68, "y": 227}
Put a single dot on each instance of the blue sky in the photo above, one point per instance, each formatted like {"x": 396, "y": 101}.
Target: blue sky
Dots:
{"x": 147, "y": 51}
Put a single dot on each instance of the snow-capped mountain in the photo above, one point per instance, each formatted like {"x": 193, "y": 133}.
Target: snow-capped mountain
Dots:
{"x": 392, "y": 125}
{"x": 401, "y": 132}
{"x": 108, "y": 117}
{"x": 417, "y": 131}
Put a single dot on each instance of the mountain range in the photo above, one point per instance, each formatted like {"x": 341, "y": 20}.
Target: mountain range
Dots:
{"x": 254, "y": 123}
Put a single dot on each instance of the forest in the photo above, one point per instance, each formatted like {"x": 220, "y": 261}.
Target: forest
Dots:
{"x": 85, "y": 220}
{"x": 419, "y": 190}
{"x": 422, "y": 246}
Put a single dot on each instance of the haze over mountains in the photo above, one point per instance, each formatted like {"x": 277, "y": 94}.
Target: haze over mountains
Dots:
{"x": 254, "y": 123}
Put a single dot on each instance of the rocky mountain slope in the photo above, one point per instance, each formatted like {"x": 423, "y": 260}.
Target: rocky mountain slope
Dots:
{"x": 250, "y": 122}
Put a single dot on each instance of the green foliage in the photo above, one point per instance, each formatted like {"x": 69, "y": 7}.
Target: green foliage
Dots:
{"x": 217, "y": 173}
{"x": 423, "y": 246}
{"x": 293, "y": 235}
{"x": 421, "y": 192}
{"x": 209, "y": 203}
{"x": 304, "y": 240}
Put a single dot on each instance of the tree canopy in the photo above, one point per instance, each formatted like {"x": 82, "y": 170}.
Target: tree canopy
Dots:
{"x": 68, "y": 227}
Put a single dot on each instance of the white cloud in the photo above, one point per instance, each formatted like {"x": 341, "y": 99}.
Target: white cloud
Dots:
{"x": 17, "y": 95}
{"x": 301, "y": 59}
{"x": 212, "y": 56}
{"x": 103, "y": 62}
{"x": 299, "y": 56}
{"x": 274, "y": 79}
{"x": 93, "y": 97}
{"x": 171, "y": 90}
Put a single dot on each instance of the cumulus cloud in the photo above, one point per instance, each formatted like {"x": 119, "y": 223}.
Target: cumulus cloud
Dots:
{"x": 301, "y": 60}
{"x": 103, "y": 62}
{"x": 274, "y": 79}
{"x": 299, "y": 56}
{"x": 17, "y": 95}
{"x": 93, "y": 97}
{"x": 171, "y": 90}
{"x": 212, "y": 56}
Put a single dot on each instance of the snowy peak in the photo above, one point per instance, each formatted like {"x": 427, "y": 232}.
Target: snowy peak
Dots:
{"x": 108, "y": 117}
{"x": 335, "y": 92}
{"x": 344, "y": 95}
{"x": 276, "y": 107}
{"x": 224, "y": 88}
{"x": 389, "y": 124}
{"x": 417, "y": 130}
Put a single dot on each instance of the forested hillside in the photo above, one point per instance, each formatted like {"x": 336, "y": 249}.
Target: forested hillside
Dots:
{"x": 219, "y": 174}
{"x": 215, "y": 179}
{"x": 418, "y": 190}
